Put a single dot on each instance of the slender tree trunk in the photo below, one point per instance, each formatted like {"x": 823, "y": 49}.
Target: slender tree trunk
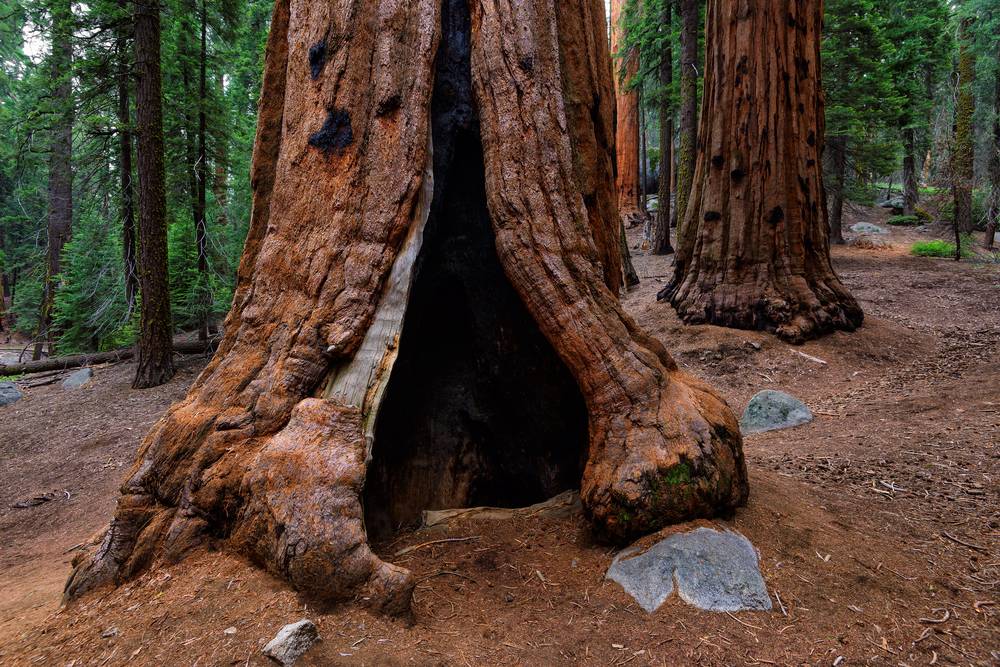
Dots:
{"x": 661, "y": 231}
{"x": 753, "y": 249}
{"x": 688, "y": 149}
{"x": 201, "y": 176}
{"x": 630, "y": 206}
{"x": 911, "y": 192}
{"x": 125, "y": 167}
{"x": 994, "y": 214}
{"x": 220, "y": 182}
{"x": 643, "y": 154}
{"x": 60, "y": 224}
{"x": 837, "y": 146}
{"x": 4, "y": 285}
{"x": 629, "y": 274}
{"x": 155, "y": 364}
{"x": 271, "y": 447}
{"x": 963, "y": 145}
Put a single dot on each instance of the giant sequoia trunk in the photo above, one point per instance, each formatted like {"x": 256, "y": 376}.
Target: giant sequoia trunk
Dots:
{"x": 631, "y": 207}
{"x": 426, "y": 313}
{"x": 753, "y": 249}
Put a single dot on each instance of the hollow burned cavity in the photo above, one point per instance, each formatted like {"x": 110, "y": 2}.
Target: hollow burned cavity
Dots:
{"x": 479, "y": 409}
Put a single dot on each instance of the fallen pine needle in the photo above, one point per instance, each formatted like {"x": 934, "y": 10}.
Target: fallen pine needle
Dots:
{"x": 403, "y": 552}
{"x": 743, "y": 622}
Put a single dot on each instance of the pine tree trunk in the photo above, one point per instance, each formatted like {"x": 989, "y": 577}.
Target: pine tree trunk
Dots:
{"x": 963, "y": 145}
{"x": 911, "y": 192}
{"x": 630, "y": 207}
{"x": 125, "y": 166}
{"x": 994, "y": 170}
{"x": 753, "y": 251}
{"x": 661, "y": 231}
{"x": 220, "y": 182}
{"x": 837, "y": 146}
{"x": 688, "y": 148}
{"x": 60, "y": 223}
{"x": 155, "y": 364}
{"x": 357, "y": 203}
{"x": 201, "y": 174}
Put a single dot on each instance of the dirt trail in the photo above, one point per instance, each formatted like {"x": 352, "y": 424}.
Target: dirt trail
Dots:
{"x": 878, "y": 524}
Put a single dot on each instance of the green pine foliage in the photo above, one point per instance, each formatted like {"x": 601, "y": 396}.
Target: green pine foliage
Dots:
{"x": 90, "y": 308}
{"x": 862, "y": 103}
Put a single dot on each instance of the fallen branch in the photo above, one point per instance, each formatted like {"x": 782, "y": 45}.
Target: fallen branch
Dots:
{"x": 78, "y": 360}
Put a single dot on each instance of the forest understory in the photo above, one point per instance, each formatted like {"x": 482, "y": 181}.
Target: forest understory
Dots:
{"x": 877, "y": 524}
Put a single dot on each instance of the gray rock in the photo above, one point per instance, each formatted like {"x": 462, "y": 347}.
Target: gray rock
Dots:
{"x": 291, "y": 642}
{"x": 894, "y": 203}
{"x": 773, "y": 410}
{"x": 868, "y": 228}
{"x": 78, "y": 379}
{"x": 714, "y": 571}
{"x": 9, "y": 394}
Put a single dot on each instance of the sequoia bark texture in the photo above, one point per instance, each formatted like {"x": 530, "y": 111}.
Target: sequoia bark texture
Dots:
{"x": 753, "y": 251}
{"x": 626, "y": 66}
{"x": 269, "y": 450}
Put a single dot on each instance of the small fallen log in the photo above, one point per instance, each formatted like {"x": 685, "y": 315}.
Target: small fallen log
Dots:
{"x": 90, "y": 359}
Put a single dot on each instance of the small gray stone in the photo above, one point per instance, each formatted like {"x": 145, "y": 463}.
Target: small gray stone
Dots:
{"x": 9, "y": 394}
{"x": 291, "y": 642}
{"x": 714, "y": 571}
{"x": 78, "y": 379}
{"x": 893, "y": 203}
{"x": 868, "y": 228}
{"x": 772, "y": 410}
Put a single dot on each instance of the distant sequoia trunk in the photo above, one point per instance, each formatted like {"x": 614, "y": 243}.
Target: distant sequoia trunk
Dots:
{"x": 753, "y": 249}
{"x": 630, "y": 203}
{"x": 449, "y": 161}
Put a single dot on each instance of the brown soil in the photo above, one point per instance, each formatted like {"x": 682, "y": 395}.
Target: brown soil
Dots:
{"x": 877, "y": 524}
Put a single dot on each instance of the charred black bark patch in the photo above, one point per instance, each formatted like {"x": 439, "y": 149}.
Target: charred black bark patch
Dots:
{"x": 336, "y": 133}
{"x": 777, "y": 215}
{"x": 479, "y": 409}
{"x": 712, "y": 216}
{"x": 317, "y": 58}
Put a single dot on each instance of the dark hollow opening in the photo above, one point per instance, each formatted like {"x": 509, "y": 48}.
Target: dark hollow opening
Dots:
{"x": 479, "y": 409}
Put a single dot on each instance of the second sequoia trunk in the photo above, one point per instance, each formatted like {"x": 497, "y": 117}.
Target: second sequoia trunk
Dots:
{"x": 754, "y": 249}
{"x": 467, "y": 187}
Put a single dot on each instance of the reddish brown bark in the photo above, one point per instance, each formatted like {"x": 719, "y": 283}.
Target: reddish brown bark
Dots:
{"x": 754, "y": 248}
{"x": 269, "y": 450}
{"x": 626, "y": 66}
{"x": 155, "y": 360}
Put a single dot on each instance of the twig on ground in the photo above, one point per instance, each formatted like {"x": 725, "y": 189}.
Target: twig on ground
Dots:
{"x": 403, "y": 552}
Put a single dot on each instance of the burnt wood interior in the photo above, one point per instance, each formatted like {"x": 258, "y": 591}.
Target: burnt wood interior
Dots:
{"x": 479, "y": 409}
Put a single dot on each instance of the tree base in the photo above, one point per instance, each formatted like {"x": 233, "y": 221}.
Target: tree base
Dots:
{"x": 807, "y": 313}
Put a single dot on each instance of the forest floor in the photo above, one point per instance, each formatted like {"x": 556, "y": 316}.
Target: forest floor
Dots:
{"x": 877, "y": 524}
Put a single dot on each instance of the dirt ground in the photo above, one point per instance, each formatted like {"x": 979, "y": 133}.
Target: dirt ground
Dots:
{"x": 877, "y": 524}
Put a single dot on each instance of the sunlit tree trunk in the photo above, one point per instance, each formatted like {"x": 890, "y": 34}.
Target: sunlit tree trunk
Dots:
{"x": 627, "y": 141}
{"x": 753, "y": 251}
